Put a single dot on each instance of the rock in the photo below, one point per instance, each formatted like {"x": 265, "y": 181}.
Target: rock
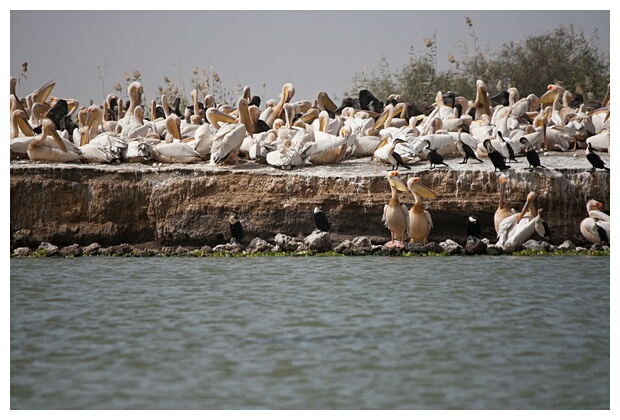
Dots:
{"x": 286, "y": 243}
{"x": 258, "y": 245}
{"x": 122, "y": 249}
{"x": 493, "y": 249}
{"x": 318, "y": 241}
{"x": 206, "y": 250}
{"x": 474, "y": 246}
{"x": 21, "y": 238}
{"x": 71, "y": 251}
{"x": 567, "y": 245}
{"x": 49, "y": 249}
{"x": 344, "y": 247}
{"x": 535, "y": 245}
{"x": 181, "y": 250}
{"x": 22, "y": 251}
{"x": 92, "y": 249}
{"x": 448, "y": 246}
{"x": 233, "y": 247}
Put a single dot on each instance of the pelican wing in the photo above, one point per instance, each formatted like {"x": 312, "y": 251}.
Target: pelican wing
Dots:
{"x": 429, "y": 219}
{"x": 406, "y": 211}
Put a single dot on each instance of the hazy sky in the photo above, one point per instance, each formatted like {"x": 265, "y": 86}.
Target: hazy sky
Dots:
{"x": 86, "y": 52}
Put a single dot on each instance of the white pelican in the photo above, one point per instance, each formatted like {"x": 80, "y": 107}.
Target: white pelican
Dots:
{"x": 519, "y": 227}
{"x": 173, "y": 150}
{"x": 326, "y": 148}
{"x": 502, "y": 211}
{"x": 395, "y": 214}
{"x": 21, "y": 134}
{"x": 226, "y": 143}
{"x": 596, "y": 227}
{"x": 288, "y": 91}
{"x": 482, "y": 103}
{"x": 134, "y": 91}
{"x": 420, "y": 220}
{"x": 600, "y": 141}
{"x": 38, "y": 149}
{"x": 285, "y": 156}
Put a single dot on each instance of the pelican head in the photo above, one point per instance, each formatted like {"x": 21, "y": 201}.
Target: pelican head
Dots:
{"x": 503, "y": 179}
{"x": 396, "y": 182}
{"x": 593, "y": 204}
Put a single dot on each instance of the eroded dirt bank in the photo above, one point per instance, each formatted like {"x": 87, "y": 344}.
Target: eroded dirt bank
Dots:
{"x": 187, "y": 204}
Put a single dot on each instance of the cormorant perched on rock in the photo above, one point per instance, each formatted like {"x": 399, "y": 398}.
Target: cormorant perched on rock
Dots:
{"x": 508, "y": 147}
{"x": 496, "y": 157}
{"x": 236, "y": 230}
{"x": 465, "y": 150}
{"x": 432, "y": 155}
{"x": 531, "y": 155}
{"x": 595, "y": 160}
{"x": 473, "y": 227}
{"x": 320, "y": 220}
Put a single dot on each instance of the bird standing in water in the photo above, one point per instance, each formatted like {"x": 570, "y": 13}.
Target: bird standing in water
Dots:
{"x": 320, "y": 220}
{"x": 236, "y": 230}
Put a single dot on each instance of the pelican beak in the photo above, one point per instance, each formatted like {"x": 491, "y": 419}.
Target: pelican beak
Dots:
{"x": 41, "y": 94}
{"x": 416, "y": 187}
{"x": 397, "y": 183}
{"x": 547, "y": 97}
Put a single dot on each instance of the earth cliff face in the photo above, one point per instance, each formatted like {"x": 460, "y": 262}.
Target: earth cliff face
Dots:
{"x": 188, "y": 204}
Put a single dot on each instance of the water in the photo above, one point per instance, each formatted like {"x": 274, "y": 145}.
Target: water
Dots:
{"x": 310, "y": 333}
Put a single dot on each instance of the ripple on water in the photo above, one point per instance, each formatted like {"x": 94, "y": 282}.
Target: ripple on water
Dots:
{"x": 310, "y": 333}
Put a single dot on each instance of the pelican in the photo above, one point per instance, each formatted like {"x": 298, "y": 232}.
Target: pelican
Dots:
{"x": 288, "y": 91}
{"x": 518, "y": 227}
{"x": 173, "y": 150}
{"x": 395, "y": 214}
{"x": 38, "y": 149}
{"x": 285, "y": 156}
{"x": 596, "y": 226}
{"x": 326, "y": 148}
{"x": 21, "y": 134}
{"x": 482, "y": 103}
{"x": 226, "y": 143}
{"x": 320, "y": 219}
{"x": 134, "y": 91}
{"x": 420, "y": 221}
{"x": 502, "y": 211}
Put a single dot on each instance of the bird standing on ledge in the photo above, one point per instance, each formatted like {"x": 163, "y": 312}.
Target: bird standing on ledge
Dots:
{"x": 320, "y": 220}
{"x": 236, "y": 230}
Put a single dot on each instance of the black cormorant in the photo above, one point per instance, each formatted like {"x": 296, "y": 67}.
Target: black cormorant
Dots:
{"x": 236, "y": 230}
{"x": 496, "y": 157}
{"x": 595, "y": 160}
{"x": 320, "y": 220}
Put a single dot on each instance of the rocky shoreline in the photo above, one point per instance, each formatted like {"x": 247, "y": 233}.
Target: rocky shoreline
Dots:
{"x": 316, "y": 244}
{"x": 181, "y": 206}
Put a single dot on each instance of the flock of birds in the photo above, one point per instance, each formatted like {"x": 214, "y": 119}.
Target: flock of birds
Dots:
{"x": 287, "y": 134}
